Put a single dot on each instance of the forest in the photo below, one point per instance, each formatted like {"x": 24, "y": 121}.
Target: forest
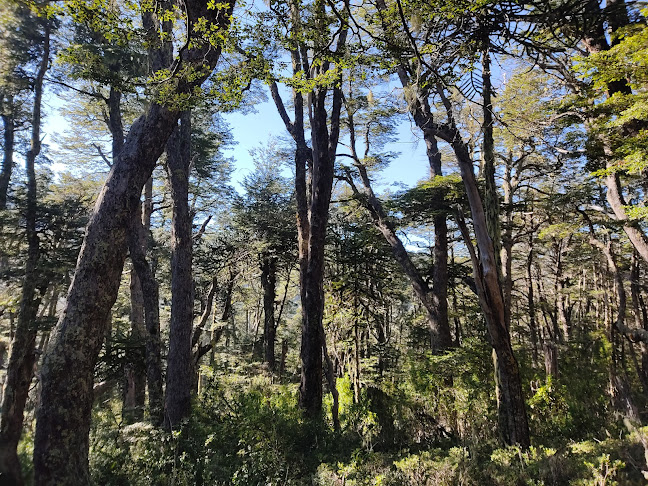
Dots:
{"x": 165, "y": 320}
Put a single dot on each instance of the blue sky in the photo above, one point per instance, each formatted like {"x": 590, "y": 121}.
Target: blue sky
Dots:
{"x": 254, "y": 129}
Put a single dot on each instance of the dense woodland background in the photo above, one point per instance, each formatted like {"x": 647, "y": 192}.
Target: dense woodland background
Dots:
{"x": 160, "y": 324}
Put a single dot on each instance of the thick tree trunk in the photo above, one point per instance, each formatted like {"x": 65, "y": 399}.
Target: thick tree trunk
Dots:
{"x": 8, "y": 125}
{"x": 63, "y": 420}
{"x": 179, "y": 361}
{"x": 61, "y": 443}
{"x": 269, "y": 284}
{"x": 312, "y": 216}
{"x": 512, "y": 415}
{"x": 310, "y": 389}
{"x": 511, "y": 409}
{"x": 20, "y": 369}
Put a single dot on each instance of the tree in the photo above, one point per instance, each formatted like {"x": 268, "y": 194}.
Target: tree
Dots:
{"x": 373, "y": 127}
{"x": 437, "y": 75}
{"x": 63, "y": 420}
{"x": 265, "y": 212}
{"x": 21, "y": 360}
{"x": 322, "y": 76}
{"x": 22, "y": 41}
{"x": 178, "y": 380}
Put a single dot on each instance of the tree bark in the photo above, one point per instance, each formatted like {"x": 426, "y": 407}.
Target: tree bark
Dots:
{"x": 20, "y": 368}
{"x": 199, "y": 350}
{"x": 177, "y": 399}
{"x": 533, "y": 327}
{"x": 269, "y": 284}
{"x": 63, "y": 420}
{"x": 619, "y": 388}
{"x": 134, "y": 386}
{"x": 641, "y": 320}
{"x": 310, "y": 388}
{"x": 440, "y": 338}
{"x": 133, "y": 404}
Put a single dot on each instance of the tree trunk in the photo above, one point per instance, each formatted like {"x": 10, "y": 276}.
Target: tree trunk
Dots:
{"x": 63, "y": 420}
{"x": 550, "y": 359}
{"x": 8, "y": 123}
{"x": 312, "y": 223}
{"x": 20, "y": 369}
{"x": 620, "y": 394}
{"x": 437, "y": 297}
{"x": 514, "y": 428}
{"x": 533, "y": 327}
{"x": 134, "y": 386}
{"x": 269, "y": 283}
{"x": 151, "y": 300}
{"x": 310, "y": 389}
{"x": 439, "y": 291}
{"x": 641, "y": 320}
{"x": 512, "y": 415}
{"x": 135, "y": 373}
{"x": 506, "y": 255}
{"x": 178, "y": 378}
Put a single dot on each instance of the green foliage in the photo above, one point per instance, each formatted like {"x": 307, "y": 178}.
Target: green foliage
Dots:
{"x": 242, "y": 435}
{"x": 266, "y": 211}
{"x": 436, "y": 196}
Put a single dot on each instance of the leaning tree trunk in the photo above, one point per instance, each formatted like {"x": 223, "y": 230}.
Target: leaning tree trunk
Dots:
{"x": 63, "y": 419}
{"x": 177, "y": 398}
{"x": 435, "y": 300}
{"x": 440, "y": 338}
{"x": 512, "y": 416}
{"x": 20, "y": 369}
